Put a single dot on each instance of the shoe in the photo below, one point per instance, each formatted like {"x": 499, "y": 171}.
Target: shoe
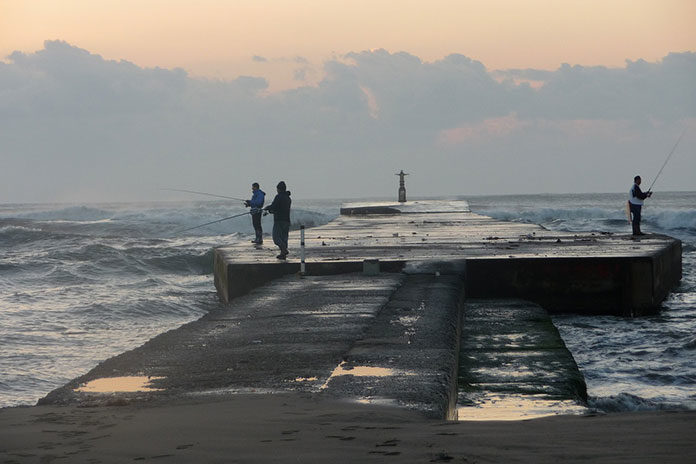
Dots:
{"x": 281, "y": 256}
{"x": 254, "y": 241}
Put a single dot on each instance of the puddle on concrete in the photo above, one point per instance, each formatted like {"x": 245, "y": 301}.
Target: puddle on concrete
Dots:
{"x": 509, "y": 408}
{"x": 119, "y": 385}
{"x": 363, "y": 371}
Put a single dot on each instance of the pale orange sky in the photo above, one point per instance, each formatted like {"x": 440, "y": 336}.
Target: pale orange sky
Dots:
{"x": 216, "y": 38}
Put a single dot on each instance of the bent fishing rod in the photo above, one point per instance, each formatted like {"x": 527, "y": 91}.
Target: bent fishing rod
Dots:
{"x": 204, "y": 193}
{"x": 211, "y": 222}
{"x": 667, "y": 159}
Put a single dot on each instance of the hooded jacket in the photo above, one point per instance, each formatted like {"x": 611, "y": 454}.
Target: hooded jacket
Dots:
{"x": 280, "y": 208}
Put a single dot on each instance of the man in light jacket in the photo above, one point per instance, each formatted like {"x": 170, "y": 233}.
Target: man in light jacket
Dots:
{"x": 256, "y": 203}
{"x": 635, "y": 201}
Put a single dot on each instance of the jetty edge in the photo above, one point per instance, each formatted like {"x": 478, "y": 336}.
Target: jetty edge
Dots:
{"x": 588, "y": 273}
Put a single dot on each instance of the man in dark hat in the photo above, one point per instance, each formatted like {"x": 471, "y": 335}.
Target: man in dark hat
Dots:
{"x": 280, "y": 209}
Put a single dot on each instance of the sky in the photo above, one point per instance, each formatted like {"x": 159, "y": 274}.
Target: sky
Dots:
{"x": 113, "y": 100}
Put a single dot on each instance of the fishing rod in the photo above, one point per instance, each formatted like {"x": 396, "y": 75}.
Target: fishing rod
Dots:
{"x": 206, "y": 194}
{"x": 667, "y": 159}
{"x": 211, "y": 222}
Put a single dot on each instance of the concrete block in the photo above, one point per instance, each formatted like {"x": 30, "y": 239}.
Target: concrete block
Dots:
{"x": 371, "y": 267}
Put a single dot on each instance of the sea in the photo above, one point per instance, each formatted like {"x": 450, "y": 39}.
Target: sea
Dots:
{"x": 80, "y": 283}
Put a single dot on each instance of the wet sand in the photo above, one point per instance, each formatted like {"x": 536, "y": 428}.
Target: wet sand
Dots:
{"x": 296, "y": 427}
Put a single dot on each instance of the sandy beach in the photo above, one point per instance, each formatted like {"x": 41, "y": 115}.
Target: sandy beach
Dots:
{"x": 300, "y": 428}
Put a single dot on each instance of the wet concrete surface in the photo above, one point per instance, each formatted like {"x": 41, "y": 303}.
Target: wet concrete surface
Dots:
{"x": 413, "y": 340}
{"x": 390, "y": 338}
{"x": 514, "y": 362}
{"x": 618, "y": 274}
{"x": 394, "y": 337}
{"x": 274, "y": 338}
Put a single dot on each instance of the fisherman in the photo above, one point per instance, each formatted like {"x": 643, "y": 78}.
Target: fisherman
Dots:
{"x": 280, "y": 209}
{"x": 635, "y": 200}
{"x": 258, "y": 196}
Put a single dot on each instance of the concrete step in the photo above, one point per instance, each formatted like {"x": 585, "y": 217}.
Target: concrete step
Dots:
{"x": 514, "y": 363}
{"x": 408, "y": 355}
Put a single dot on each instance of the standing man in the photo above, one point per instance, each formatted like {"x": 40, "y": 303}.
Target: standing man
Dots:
{"x": 256, "y": 203}
{"x": 280, "y": 209}
{"x": 635, "y": 202}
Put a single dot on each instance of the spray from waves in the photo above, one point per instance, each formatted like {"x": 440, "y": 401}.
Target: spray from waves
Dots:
{"x": 674, "y": 219}
{"x": 309, "y": 218}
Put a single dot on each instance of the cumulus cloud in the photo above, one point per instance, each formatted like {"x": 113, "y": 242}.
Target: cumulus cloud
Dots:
{"x": 73, "y": 124}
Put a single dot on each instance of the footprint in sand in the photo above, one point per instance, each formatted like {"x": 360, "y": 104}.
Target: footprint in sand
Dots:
{"x": 386, "y": 453}
{"x": 341, "y": 437}
{"x": 392, "y": 442}
{"x": 442, "y": 457}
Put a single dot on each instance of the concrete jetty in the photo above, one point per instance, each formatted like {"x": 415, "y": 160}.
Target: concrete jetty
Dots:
{"x": 591, "y": 273}
{"x": 455, "y": 321}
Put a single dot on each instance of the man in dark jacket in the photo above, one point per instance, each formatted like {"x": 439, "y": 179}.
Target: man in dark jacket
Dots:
{"x": 256, "y": 203}
{"x": 635, "y": 202}
{"x": 280, "y": 209}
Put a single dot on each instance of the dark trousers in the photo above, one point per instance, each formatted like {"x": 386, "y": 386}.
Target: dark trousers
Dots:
{"x": 635, "y": 218}
{"x": 256, "y": 222}
{"x": 281, "y": 230}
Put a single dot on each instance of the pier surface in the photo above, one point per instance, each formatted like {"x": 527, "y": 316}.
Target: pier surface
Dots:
{"x": 440, "y": 329}
{"x": 591, "y": 273}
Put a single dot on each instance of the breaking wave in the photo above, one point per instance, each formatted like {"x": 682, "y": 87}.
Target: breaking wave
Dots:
{"x": 578, "y": 219}
{"x": 625, "y": 402}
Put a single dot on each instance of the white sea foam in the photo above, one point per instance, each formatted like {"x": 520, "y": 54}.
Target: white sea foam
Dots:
{"x": 625, "y": 402}
{"x": 580, "y": 218}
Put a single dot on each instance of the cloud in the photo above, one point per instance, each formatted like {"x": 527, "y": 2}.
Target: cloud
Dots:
{"x": 71, "y": 121}
{"x": 259, "y": 59}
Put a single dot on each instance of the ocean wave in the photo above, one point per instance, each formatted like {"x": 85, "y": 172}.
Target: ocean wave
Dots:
{"x": 184, "y": 262}
{"x": 582, "y": 218}
{"x": 625, "y": 402}
{"x": 80, "y": 213}
{"x": 548, "y": 215}
{"x": 14, "y": 234}
{"x": 673, "y": 219}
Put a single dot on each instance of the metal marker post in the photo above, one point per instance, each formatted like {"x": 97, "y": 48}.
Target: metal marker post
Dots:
{"x": 302, "y": 251}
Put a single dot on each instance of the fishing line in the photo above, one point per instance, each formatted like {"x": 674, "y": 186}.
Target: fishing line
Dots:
{"x": 204, "y": 193}
{"x": 211, "y": 222}
{"x": 667, "y": 159}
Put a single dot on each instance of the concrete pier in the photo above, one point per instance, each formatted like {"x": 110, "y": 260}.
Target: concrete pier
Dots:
{"x": 446, "y": 325}
{"x": 591, "y": 273}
